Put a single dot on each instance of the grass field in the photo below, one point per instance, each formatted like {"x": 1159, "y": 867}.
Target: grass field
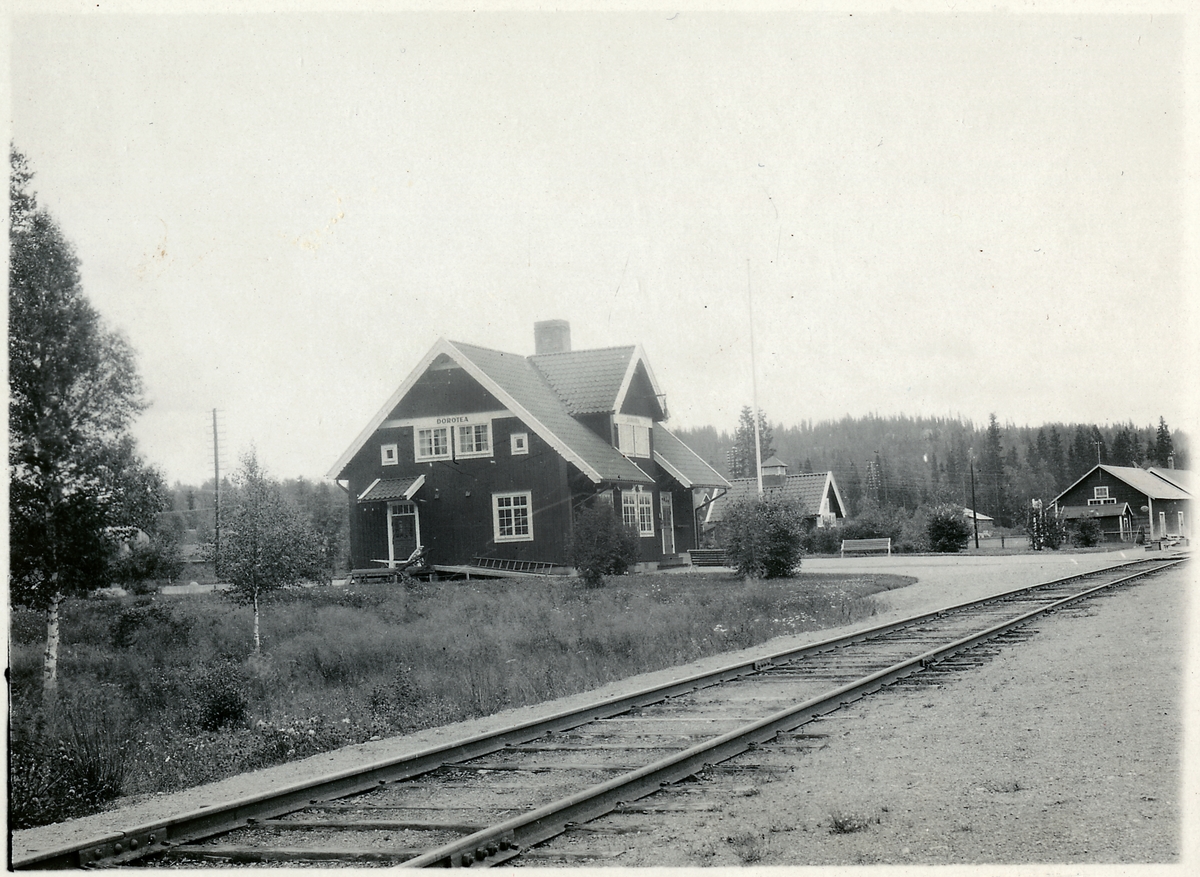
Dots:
{"x": 164, "y": 693}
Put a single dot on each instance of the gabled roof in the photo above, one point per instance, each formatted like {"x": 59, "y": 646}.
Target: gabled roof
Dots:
{"x": 1144, "y": 482}
{"x": 973, "y": 515}
{"x": 384, "y": 489}
{"x": 806, "y": 490}
{"x": 524, "y": 390}
{"x": 682, "y": 463}
{"x": 1181, "y": 478}
{"x": 594, "y": 381}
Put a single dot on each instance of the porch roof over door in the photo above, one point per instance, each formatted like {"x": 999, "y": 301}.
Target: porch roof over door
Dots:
{"x": 392, "y": 489}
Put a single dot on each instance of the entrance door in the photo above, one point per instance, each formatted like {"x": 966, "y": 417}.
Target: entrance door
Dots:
{"x": 668, "y": 522}
{"x": 405, "y": 527}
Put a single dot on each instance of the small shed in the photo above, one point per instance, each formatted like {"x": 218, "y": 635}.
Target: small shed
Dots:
{"x": 980, "y": 520}
{"x": 816, "y": 494}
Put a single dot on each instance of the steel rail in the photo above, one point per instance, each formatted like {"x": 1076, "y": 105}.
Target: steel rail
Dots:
{"x": 120, "y": 846}
{"x": 505, "y": 840}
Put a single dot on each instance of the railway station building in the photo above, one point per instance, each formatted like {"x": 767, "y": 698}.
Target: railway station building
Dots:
{"x": 481, "y": 459}
{"x": 1128, "y": 501}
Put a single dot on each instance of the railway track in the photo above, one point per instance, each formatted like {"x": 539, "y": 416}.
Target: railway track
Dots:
{"x": 488, "y": 799}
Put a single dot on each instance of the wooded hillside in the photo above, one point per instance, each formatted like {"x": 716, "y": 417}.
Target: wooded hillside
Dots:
{"x": 906, "y": 462}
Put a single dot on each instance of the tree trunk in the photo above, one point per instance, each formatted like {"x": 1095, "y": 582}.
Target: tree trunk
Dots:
{"x": 50, "y": 658}
{"x": 257, "y": 642}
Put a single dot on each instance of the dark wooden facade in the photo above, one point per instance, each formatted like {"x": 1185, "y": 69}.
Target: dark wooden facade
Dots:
{"x": 1157, "y": 509}
{"x": 452, "y": 510}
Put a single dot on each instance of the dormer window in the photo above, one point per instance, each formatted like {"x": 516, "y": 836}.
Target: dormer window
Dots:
{"x": 633, "y": 435}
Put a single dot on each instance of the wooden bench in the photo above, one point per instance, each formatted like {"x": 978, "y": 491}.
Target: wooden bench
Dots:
{"x": 865, "y": 545}
{"x": 708, "y": 557}
{"x": 374, "y": 575}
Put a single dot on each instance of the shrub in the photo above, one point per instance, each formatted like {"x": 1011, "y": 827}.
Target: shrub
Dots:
{"x": 143, "y": 566}
{"x": 1087, "y": 533}
{"x": 764, "y": 537}
{"x": 948, "y": 528}
{"x": 601, "y": 545}
{"x": 874, "y": 522}
{"x": 823, "y": 540}
{"x": 66, "y": 766}
{"x": 914, "y": 532}
{"x": 217, "y": 696}
{"x": 148, "y": 622}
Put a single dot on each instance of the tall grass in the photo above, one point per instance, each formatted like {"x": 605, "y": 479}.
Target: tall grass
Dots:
{"x": 344, "y": 665}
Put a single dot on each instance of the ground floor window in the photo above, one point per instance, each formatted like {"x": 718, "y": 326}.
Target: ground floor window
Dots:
{"x": 637, "y": 510}
{"x": 512, "y": 519}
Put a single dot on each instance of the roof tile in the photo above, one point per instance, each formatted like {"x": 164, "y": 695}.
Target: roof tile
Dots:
{"x": 587, "y": 381}
{"x": 528, "y": 386}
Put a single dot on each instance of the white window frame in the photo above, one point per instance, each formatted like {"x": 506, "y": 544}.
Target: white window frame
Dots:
{"x": 472, "y": 430}
{"x": 633, "y": 435}
{"x": 447, "y": 440}
{"x": 1100, "y": 493}
{"x": 637, "y": 510}
{"x": 513, "y": 501}
{"x": 389, "y": 455}
{"x": 518, "y": 443}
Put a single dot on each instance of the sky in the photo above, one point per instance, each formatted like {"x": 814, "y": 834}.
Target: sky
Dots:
{"x": 902, "y": 213}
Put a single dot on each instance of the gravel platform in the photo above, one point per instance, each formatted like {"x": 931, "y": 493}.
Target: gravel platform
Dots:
{"x": 1064, "y": 750}
{"x": 942, "y": 581}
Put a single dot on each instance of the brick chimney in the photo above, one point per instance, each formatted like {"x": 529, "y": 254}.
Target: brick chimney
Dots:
{"x": 552, "y": 336}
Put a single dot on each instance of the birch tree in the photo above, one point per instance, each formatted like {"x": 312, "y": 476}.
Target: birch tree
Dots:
{"x": 266, "y": 544}
{"x": 73, "y": 393}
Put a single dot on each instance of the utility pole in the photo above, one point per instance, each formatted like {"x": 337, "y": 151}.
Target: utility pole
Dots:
{"x": 754, "y": 387}
{"x": 974, "y": 510}
{"x": 216, "y": 494}
{"x": 1097, "y": 444}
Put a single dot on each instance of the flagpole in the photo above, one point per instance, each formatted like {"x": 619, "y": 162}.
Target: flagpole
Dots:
{"x": 754, "y": 386}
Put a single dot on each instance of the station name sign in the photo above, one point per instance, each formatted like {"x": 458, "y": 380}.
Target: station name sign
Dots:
{"x": 447, "y": 419}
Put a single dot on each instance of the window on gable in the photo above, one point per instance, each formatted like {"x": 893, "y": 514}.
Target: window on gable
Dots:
{"x": 389, "y": 455}
{"x": 512, "y": 519}
{"x": 1101, "y": 492}
{"x": 519, "y": 443}
{"x": 637, "y": 510}
{"x": 474, "y": 440}
{"x": 433, "y": 443}
{"x": 633, "y": 439}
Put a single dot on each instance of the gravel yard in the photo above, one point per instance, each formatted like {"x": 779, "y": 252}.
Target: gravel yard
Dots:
{"x": 965, "y": 771}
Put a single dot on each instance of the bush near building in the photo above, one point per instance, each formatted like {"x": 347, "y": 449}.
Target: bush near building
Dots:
{"x": 948, "y": 528}
{"x": 602, "y": 545}
{"x": 765, "y": 538}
